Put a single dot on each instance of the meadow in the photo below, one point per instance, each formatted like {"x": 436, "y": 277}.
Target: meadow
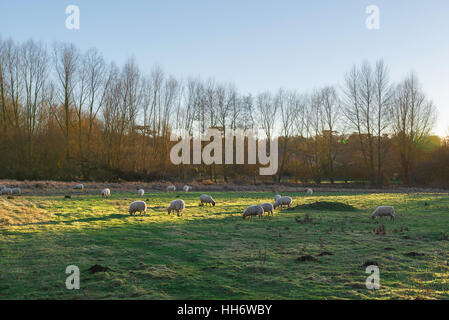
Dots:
{"x": 212, "y": 253}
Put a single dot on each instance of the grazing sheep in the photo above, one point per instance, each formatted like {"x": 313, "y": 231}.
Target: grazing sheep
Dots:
{"x": 140, "y": 192}
{"x": 138, "y": 206}
{"x": 253, "y": 211}
{"x": 16, "y": 191}
{"x": 106, "y": 192}
{"x": 178, "y": 205}
{"x": 283, "y": 201}
{"x": 383, "y": 211}
{"x": 7, "y": 191}
{"x": 187, "y": 188}
{"x": 171, "y": 188}
{"x": 204, "y": 198}
{"x": 2, "y": 187}
{"x": 267, "y": 207}
{"x": 309, "y": 192}
{"x": 79, "y": 186}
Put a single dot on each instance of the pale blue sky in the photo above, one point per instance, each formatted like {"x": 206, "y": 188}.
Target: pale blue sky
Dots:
{"x": 258, "y": 45}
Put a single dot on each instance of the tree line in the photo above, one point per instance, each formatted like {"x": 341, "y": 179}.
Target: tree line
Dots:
{"x": 67, "y": 114}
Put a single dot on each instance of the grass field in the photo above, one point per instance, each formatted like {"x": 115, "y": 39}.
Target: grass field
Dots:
{"x": 212, "y": 253}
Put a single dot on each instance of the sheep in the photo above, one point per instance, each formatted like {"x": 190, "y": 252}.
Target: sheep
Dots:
{"x": 2, "y": 187}
{"x": 204, "y": 198}
{"x": 79, "y": 186}
{"x": 283, "y": 201}
{"x": 253, "y": 211}
{"x": 138, "y": 206}
{"x": 7, "y": 191}
{"x": 383, "y": 211}
{"x": 187, "y": 188}
{"x": 171, "y": 188}
{"x": 267, "y": 207}
{"x": 16, "y": 191}
{"x": 105, "y": 192}
{"x": 309, "y": 192}
{"x": 178, "y": 205}
{"x": 140, "y": 192}
{"x": 276, "y": 197}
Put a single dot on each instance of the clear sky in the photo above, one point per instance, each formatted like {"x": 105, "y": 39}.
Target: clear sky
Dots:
{"x": 256, "y": 44}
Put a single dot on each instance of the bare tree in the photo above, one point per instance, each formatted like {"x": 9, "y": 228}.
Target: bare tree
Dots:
{"x": 66, "y": 59}
{"x": 34, "y": 72}
{"x": 414, "y": 116}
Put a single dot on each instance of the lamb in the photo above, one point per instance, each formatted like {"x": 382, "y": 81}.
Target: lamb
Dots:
{"x": 106, "y": 192}
{"x": 140, "y": 192}
{"x": 187, "y": 188}
{"x": 138, "y": 206}
{"x": 309, "y": 192}
{"x": 283, "y": 201}
{"x": 79, "y": 186}
{"x": 253, "y": 211}
{"x": 171, "y": 188}
{"x": 383, "y": 211}
{"x": 267, "y": 207}
{"x": 276, "y": 197}
{"x": 178, "y": 205}
{"x": 7, "y": 191}
{"x": 16, "y": 191}
{"x": 204, "y": 198}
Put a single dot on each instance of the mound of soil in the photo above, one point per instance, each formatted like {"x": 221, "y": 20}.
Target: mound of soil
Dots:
{"x": 325, "y": 253}
{"x": 370, "y": 263}
{"x": 414, "y": 254}
{"x": 97, "y": 268}
{"x": 326, "y": 205}
{"x": 307, "y": 258}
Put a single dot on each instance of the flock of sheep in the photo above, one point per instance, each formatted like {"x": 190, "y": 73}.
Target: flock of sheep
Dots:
{"x": 10, "y": 191}
{"x": 179, "y": 204}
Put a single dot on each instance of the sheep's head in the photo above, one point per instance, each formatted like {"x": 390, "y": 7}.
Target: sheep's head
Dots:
{"x": 213, "y": 203}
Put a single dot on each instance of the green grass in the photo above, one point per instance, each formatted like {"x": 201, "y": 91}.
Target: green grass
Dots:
{"x": 212, "y": 253}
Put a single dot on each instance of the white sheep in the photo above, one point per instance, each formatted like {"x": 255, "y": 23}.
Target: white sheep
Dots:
{"x": 207, "y": 199}
{"x": 105, "y": 192}
{"x": 383, "y": 211}
{"x": 178, "y": 205}
{"x": 283, "y": 201}
{"x": 7, "y": 191}
{"x": 267, "y": 207}
{"x": 79, "y": 186}
{"x": 253, "y": 211}
{"x": 187, "y": 188}
{"x": 138, "y": 206}
{"x": 16, "y": 191}
{"x": 140, "y": 192}
{"x": 2, "y": 187}
{"x": 276, "y": 197}
{"x": 171, "y": 188}
{"x": 309, "y": 192}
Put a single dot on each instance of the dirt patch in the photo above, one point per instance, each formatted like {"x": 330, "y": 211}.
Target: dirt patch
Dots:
{"x": 307, "y": 219}
{"x": 370, "y": 263}
{"x": 414, "y": 254}
{"x": 307, "y": 258}
{"x": 98, "y": 268}
{"x": 326, "y": 205}
{"x": 325, "y": 253}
